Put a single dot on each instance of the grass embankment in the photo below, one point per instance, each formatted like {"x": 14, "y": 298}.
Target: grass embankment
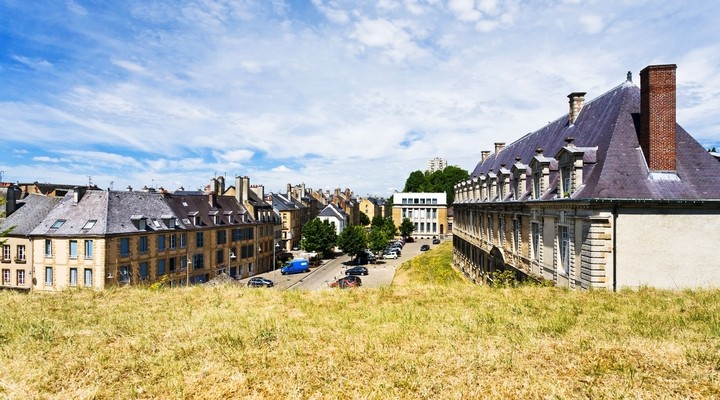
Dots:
{"x": 432, "y": 341}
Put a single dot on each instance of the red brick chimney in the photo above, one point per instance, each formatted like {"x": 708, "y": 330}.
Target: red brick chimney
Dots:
{"x": 657, "y": 116}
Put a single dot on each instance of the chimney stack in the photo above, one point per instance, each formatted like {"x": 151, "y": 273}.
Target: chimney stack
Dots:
{"x": 484, "y": 155}
{"x": 577, "y": 100}
{"x": 498, "y": 147}
{"x": 657, "y": 116}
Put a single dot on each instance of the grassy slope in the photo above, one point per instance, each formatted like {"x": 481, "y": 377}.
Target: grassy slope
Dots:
{"x": 419, "y": 338}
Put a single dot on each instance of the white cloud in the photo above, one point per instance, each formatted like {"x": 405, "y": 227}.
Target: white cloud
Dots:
{"x": 331, "y": 12}
{"x": 394, "y": 38}
{"x": 592, "y": 24}
{"x": 75, "y": 8}
{"x": 34, "y": 63}
{"x": 234, "y": 155}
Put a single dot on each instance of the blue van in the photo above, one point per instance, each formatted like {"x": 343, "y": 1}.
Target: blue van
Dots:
{"x": 296, "y": 266}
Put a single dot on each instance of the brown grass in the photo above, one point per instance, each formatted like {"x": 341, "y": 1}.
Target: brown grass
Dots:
{"x": 417, "y": 340}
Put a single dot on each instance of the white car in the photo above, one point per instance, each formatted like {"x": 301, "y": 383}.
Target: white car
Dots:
{"x": 392, "y": 255}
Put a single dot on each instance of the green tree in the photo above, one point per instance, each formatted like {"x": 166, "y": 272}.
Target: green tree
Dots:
{"x": 318, "y": 236}
{"x": 377, "y": 239}
{"x": 415, "y": 182}
{"x": 352, "y": 240}
{"x": 406, "y": 227}
{"x": 450, "y": 176}
{"x": 364, "y": 219}
{"x": 389, "y": 228}
{"x": 377, "y": 220}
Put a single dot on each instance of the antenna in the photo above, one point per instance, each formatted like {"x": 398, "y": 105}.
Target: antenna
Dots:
{"x": 89, "y": 181}
{"x": 111, "y": 184}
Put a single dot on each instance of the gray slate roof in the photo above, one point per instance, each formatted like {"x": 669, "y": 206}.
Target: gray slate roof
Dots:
{"x": 92, "y": 206}
{"x": 610, "y": 123}
{"x": 30, "y": 213}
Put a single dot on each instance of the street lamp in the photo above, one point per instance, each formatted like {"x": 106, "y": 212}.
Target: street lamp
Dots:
{"x": 187, "y": 272}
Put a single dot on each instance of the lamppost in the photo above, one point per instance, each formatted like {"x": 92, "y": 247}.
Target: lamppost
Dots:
{"x": 187, "y": 271}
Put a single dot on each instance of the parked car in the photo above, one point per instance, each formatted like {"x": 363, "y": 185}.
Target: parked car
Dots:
{"x": 356, "y": 271}
{"x": 409, "y": 239}
{"x": 355, "y": 279}
{"x": 394, "y": 250}
{"x": 391, "y": 255}
{"x": 425, "y": 247}
{"x": 436, "y": 241}
{"x": 348, "y": 281}
{"x": 296, "y": 266}
{"x": 259, "y": 281}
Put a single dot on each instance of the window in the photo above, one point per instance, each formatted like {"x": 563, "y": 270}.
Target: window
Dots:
{"x": 57, "y": 224}
{"x": 73, "y": 249}
{"x": 172, "y": 265}
{"x": 21, "y": 277}
{"x": 536, "y": 240}
{"x": 125, "y": 274}
{"x": 88, "y": 249}
{"x": 565, "y": 181}
{"x": 161, "y": 267}
{"x": 199, "y": 239}
{"x": 88, "y": 277}
{"x": 73, "y": 277}
{"x": 89, "y": 224}
{"x": 171, "y": 223}
{"x": 501, "y": 229}
{"x": 221, "y": 236}
{"x": 536, "y": 185}
{"x": 142, "y": 225}
{"x": 6, "y": 252}
{"x": 48, "y": 248}
{"x": 156, "y": 223}
{"x": 20, "y": 252}
{"x": 173, "y": 241}
{"x": 124, "y": 247}
{"x": 6, "y": 276}
{"x": 198, "y": 261}
{"x": 48, "y": 276}
{"x": 237, "y": 234}
{"x": 183, "y": 241}
{"x": 219, "y": 256}
{"x": 143, "y": 271}
{"x": 564, "y": 238}
{"x": 161, "y": 242}
{"x": 143, "y": 244}
{"x": 516, "y": 234}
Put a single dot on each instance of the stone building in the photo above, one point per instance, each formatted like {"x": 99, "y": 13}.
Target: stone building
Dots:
{"x": 613, "y": 194}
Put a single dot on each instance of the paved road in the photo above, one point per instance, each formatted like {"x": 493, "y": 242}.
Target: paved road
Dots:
{"x": 380, "y": 274}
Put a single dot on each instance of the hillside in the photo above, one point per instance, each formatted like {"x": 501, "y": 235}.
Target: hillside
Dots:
{"x": 430, "y": 335}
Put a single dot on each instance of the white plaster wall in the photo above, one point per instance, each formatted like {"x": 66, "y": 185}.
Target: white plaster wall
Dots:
{"x": 667, "y": 251}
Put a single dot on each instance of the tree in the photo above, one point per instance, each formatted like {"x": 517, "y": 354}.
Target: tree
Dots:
{"x": 406, "y": 228}
{"x": 415, "y": 182}
{"x": 352, "y": 240}
{"x": 318, "y": 236}
{"x": 389, "y": 228}
{"x": 377, "y": 239}
{"x": 364, "y": 219}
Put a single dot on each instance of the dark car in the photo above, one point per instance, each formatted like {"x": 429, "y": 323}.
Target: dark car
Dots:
{"x": 356, "y": 271}
{"x": 425, "y": 247}
{"x": 258, "y": 281}
{"x": 436, "y": 241}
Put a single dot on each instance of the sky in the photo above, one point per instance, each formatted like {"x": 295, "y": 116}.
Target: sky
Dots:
{"x": 329, "y": 93}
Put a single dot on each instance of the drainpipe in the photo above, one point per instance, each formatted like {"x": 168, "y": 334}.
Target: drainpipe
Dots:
{"x": 614, "y": 246}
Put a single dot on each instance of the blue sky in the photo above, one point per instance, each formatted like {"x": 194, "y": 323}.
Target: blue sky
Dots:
{"x": 330, "y": 93}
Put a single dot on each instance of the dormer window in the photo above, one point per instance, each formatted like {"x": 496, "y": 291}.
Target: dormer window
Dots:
{"x": 571, "y": 160}
{"x": 142, "y": 224}
{"x": 540, "y": 167}
{"x": 171, "y": 223}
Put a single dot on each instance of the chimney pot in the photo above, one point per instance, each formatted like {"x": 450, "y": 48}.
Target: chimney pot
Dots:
{"x": 498, "y": 147}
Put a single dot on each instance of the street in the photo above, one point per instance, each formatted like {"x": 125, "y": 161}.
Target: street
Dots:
{"x": 379, "y": 274}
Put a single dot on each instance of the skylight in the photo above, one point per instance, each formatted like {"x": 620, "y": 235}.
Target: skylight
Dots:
{"x": 90, "y": 224}
{"x": 57, "y": 224}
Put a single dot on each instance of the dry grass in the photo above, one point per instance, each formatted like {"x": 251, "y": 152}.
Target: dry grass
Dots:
{"x": 417, "y": 340}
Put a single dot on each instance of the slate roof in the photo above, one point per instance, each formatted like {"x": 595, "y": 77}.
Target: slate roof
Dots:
{"x": 92, "y": 206}
{"x": 227, "y": 207}
{"x": 331, "y": 210}
{"x": 124, "y": 208}
{"x": 29, "y": 214}
{"x": 281, "y": 203}
{"x": 611, "y": 124}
